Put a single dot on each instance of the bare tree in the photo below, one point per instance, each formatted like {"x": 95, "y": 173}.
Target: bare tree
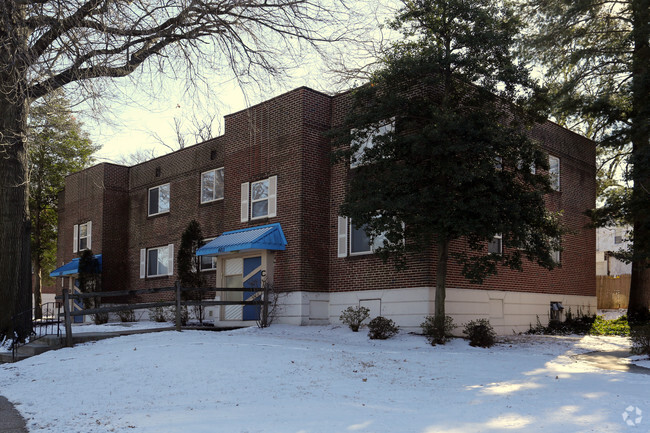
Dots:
{"x": 49, "y": 44}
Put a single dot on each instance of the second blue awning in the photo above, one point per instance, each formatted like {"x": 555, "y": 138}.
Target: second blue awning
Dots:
{"x": 268, "y": 237}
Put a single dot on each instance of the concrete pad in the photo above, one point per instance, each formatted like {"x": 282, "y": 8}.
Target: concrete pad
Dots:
{"x": 614, "y": 360}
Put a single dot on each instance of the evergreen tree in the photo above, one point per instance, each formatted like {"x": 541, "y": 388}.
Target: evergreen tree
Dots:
{"x": 189, "y": 264}
{"x": 597, "y": 57}
{"x": 441, "y": 148}
{"x": 57, "y": 147}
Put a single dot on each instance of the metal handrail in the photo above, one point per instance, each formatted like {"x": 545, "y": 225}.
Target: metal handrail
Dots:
{"x": 46, "y": 325}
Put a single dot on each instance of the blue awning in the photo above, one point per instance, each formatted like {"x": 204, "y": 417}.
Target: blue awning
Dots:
{"x": 269, "y": 237}
{"x": 72, "y": 268}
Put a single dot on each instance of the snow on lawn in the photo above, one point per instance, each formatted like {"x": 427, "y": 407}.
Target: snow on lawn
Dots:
{"x": 319, "y": 380}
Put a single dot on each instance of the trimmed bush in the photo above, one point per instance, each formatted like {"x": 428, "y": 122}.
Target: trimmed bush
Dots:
{"x": 640, "y": 335}
{"x": 157, "y": 314}
{"x": 381, "y": 328}
{"x": 127, "y": 316}
{"x": 433, "y": 334}
{"x": 480, "y": 333}
{"x": 353, "y": 316}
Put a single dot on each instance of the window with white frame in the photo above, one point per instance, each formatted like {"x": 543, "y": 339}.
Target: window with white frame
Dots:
{"x": 158, "y": 261}
{"x": 159, "y": 199}
{"x": 82, "y": 236}
{"x": 359, "y": 242}
{"x": 259, "y": 199}
{"x": 368, "y": 141}
{"x": 554, "y": 171}
{"x": 212, "y": 185}
{"x": 208, "y": 263}
{"x": 556, "y": 256}
{"x": 495, "y": 246}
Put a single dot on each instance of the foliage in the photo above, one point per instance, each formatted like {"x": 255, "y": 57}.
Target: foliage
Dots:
{"x": 381, "y": 328}
{"x": 640, "y": 335}
{"x": 157, "y": 314}
{"x": 90, "y": 280}
{"x": 450, "y": 156}
{"x": 595, "y": 55}
{"x": 170, "y": 315}
{"x": 480, "y": 333}
{"x": 582, "y": 324}
{"x": 57, "y": 147}
{"x": 354, "y": 316}
{"x": 436, "y": 334}
{"x": 127, "y": 315}
{"x": 189, "y": 266}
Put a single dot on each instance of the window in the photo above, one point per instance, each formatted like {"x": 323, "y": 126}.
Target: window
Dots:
{"x": 159, "y": 199}
{"x": 208, "y": 263}
{"x": 556, "y": 256}
{"x": 368, "y": 141}
{"x": 556, "y": 310}
{"x": 554, "y": 172}
{"x": 495, "y": 246}
{"x": 360, "y": 243}
{"x": 158, "y": 261}
{"x": 82, "y": 236}
{"x": 212, "y": 185}
{"x": 262, "y": 196}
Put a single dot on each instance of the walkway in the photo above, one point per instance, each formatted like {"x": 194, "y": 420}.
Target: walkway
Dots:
{"x": 10, "y": 420}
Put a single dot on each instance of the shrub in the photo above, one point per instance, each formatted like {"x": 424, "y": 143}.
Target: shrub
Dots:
{"x": 640, "y": 335}
{"x": 480, "y": 333}
{"x": 157, "y": 314}
{"x": 353, "y": 316}
{"x": 381, "y": 328}
{"x": 610, "y": 327}
{"x": 127, "y": 315}
{"x": 435, "y": 335}
{"x": 170, "y": 314}
{"x": 99, "y": 318}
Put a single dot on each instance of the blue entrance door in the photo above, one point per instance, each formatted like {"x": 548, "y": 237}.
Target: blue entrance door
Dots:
{"x": 252, "y": 279}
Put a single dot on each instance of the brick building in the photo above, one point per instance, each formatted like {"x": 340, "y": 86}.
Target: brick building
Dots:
{"x": 269, "y": 194}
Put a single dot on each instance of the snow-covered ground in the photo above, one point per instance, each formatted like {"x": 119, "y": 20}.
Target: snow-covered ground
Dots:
{"x": 288, "y": 379}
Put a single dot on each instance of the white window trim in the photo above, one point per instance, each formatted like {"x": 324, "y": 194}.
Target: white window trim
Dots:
{"x": 144, "y": 259}
{"x": 386, "y": 127}
{"x": 555, "y": 178}
{"x": 149, "y": 199}
{"x": 214, "y": 190}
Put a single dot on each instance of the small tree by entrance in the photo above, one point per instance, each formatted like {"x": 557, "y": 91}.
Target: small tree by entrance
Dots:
{"x": 90, "y": 280}
{"x": 189, "y": 265}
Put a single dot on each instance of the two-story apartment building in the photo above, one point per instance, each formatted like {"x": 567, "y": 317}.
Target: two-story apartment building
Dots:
{"x": 268, "y": 194}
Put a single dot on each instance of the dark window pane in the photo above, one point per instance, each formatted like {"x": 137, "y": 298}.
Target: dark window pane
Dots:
{"x": 153, "y": 201}
{"x": 152, "y": 263}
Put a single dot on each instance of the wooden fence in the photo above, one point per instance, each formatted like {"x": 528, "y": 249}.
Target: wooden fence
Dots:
{"x": 612, "y": 292}
{"x": 178, "y": 302}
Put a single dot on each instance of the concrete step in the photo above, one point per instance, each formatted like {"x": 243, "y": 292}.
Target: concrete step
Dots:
{"x": 35, "y": 348}
{"x": 6, "y": 358}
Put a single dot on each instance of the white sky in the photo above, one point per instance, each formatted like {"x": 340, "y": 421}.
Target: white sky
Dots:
{"x": 132, "y": 116}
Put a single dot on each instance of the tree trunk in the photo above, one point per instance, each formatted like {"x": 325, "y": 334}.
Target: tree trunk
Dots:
{"x": 441, "y": 290}
{"x": 38, "y": 284}
{"x": 15, "y": 260}
{"x": 640, "y": 284}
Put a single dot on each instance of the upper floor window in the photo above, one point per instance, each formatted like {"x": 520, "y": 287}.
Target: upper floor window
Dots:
{"x": 159, "y": 199}
{"x": 82, "y": 236}
{"x": 368, "y": 141}
{"x": 212, "y": 185}
{"x": 554, "y": 171}
{"x": 495, "y": 246}
{"x": 262, "y": 197}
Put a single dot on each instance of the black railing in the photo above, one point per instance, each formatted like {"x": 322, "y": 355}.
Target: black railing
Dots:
{"x": 48, "y": 324}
